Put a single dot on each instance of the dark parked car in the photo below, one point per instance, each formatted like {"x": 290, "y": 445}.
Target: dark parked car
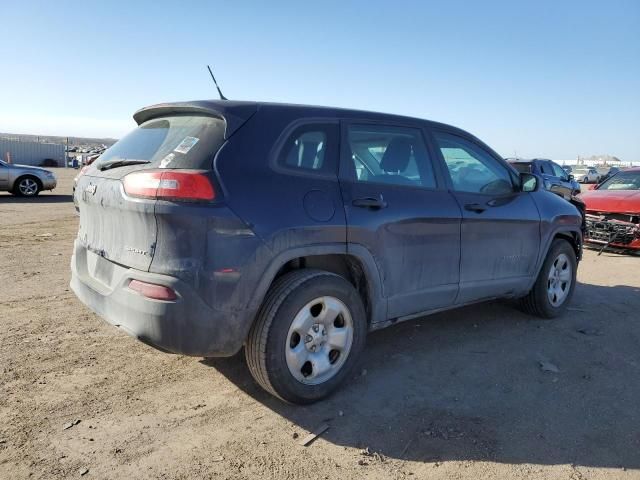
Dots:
{"x": 294, "y": 230}
{"x": 555, "y": 178}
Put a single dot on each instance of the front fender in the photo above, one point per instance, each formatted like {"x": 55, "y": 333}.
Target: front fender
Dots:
{"x": 558, "y": 217}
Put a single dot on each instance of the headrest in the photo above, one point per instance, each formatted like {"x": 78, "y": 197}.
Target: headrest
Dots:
{"x": 397, "y": 155}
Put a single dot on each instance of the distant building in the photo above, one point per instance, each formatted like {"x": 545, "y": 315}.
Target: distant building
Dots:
{"x": 32, "y": 153}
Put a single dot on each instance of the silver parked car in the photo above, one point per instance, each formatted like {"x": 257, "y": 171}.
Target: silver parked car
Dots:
{"x": 586, "y": 175}
{"x": 24, "y": 180}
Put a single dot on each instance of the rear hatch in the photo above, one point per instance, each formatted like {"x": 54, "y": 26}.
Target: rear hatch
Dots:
{"x": 117, "y": 194}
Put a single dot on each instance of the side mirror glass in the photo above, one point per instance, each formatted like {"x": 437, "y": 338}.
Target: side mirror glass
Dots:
{"x": 528, "y": 182}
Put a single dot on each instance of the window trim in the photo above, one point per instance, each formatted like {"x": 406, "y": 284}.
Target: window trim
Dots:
{"x": 346, "y": 172}
{"x": 285, "y": 135}
{"x": 513, "y": 175}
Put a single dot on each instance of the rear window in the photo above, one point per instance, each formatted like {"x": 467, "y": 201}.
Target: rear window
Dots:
{"x": 522, "y": 167}
{"x": 183, "y": 141}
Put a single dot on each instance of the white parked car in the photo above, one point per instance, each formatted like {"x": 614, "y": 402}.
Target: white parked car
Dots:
{"x": 586, "y": 175}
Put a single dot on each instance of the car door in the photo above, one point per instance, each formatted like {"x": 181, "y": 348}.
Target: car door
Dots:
{"x": 554, "y": 180}
{"x": 398, "y": 208}
{"x": 565, "y": 186}
{"x": 550, "y": 182}
{"x": 4, "y": 176}
{"x": 500, "y": 235}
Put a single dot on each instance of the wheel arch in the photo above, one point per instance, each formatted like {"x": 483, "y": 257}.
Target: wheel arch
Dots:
{"x": 357, "y": 267}
{"x": 571, "y": 235}
{"x": 574, "y": 238}
{"x": 23, "y": 176}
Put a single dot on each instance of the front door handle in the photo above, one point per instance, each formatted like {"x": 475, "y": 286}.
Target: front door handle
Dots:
{"x": 370, "y": 202}
{"x": 475, "y": 207}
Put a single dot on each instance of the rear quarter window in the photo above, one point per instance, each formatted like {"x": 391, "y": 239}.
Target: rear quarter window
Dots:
{"x": 310, "y": 148}
{"x": 184, "y": 141}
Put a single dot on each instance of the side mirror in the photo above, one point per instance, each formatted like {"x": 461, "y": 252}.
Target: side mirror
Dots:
{"x": 529, "y": 182}
{"x": 571, "y": 178}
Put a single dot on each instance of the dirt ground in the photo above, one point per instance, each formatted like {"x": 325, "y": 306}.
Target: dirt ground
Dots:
{"x": 455, "y": 395}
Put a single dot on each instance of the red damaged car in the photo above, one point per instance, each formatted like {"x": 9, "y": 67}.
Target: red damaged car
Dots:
{"x": 613, "y": 211}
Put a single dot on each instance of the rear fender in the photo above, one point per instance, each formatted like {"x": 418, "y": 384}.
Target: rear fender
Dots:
{"x": 374, "y": 283}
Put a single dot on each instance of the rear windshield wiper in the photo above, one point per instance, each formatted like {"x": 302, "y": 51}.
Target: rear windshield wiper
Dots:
{"x": 121, "y": 163}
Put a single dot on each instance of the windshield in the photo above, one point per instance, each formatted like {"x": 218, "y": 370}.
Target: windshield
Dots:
{"x": 170, "y": 142}
{"x": 622, "y": 181}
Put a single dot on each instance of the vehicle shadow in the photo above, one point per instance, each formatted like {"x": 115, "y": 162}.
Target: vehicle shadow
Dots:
{"x": 470, "y": 385}
{"x": 42, "y": 198}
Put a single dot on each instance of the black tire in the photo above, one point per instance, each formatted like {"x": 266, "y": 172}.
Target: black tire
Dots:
{"x": 19, "y": 180}
{"x": 267, "y": 341}
{"x": 537, "y": 301}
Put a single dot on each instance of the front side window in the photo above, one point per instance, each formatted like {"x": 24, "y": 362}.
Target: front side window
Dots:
{"x": 390, "y": 155}
{"x": 472, "y": 169}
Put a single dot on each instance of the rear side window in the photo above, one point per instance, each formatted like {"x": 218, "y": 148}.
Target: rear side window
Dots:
{"x": 171, "y": 142}
{"x": 311, "y": 148}
{"x": 546, "y": 168}
{"x": 389, "y": 154}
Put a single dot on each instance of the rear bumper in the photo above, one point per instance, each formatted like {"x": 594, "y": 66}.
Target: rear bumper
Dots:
{"x": 186, "y": 326}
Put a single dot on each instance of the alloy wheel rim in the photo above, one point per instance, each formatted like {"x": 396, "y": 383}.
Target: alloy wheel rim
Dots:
{"x": 28, "y": 187}
{"x": 559, "y": 280}
{"x": 319, "y": 340}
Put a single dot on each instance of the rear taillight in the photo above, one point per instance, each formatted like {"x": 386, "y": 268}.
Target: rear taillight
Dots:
{"x": 151, "y": 290}
{"x": 169, "y": 185}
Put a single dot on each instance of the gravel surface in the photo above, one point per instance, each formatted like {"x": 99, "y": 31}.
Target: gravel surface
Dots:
{"x": 480, "y": 392}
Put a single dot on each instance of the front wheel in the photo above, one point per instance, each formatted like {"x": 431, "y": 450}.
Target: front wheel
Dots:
{"x": 556, "y": 281}
{"x": 27, "y": 187}
{"x": 307, "y": 336}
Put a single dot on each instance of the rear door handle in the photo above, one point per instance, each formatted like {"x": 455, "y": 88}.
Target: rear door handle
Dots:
{"x": 475, "y": 207}
{"x": 370, "y": 202}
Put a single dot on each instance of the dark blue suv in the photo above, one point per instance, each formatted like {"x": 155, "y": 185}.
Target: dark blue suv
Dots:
{"x": 294, "y": 230}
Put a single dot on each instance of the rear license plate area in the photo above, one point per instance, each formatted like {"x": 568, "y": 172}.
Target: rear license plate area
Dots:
{"x": 99, "y": 268}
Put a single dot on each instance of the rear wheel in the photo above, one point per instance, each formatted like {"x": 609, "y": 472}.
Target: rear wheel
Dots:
{"x": 27, "y": 187}
{"x": 307, "y": 336}
{"x": 555, "y": 283}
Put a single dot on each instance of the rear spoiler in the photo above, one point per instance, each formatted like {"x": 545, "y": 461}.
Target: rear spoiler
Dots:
{"x": 234, "y": 114}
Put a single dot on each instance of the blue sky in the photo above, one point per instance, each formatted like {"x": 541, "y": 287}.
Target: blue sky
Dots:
{"x": 540, "y": 78}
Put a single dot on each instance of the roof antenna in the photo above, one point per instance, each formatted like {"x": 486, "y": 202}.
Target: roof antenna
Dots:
{"x": 222, "y": 97}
